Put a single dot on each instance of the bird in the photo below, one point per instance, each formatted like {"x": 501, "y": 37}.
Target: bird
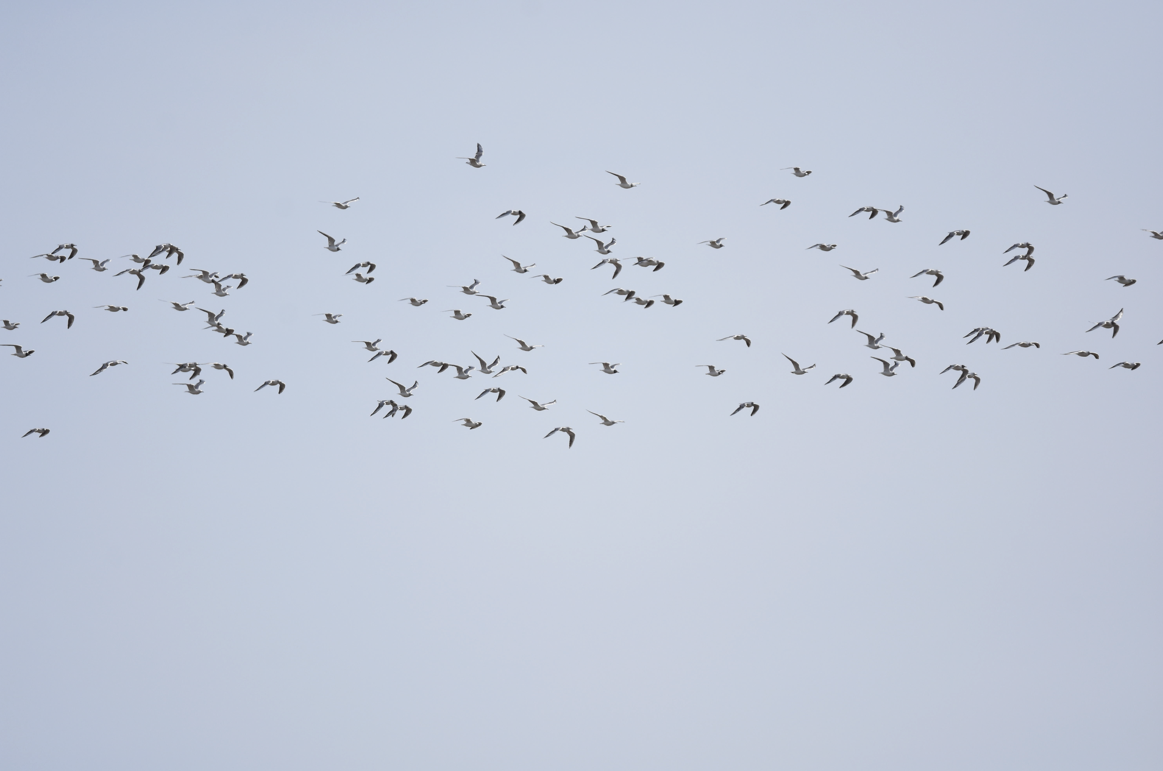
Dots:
{"x": 622, "y": 183}
{"x": 341, "y": 204}
{"x": 796, "y": 170}
{"x": 107, "y": 365}
{"x": 204, "y": 276}
{"x": 416, "y": 303}
{"x": 66, "y": 314}
{"x": 1112, "y": 323}
{"x": 607, "y": 367}
{"x": 371, "y": 266}
{"x": 615, "y": 261}
{"x": 1023, "y": 344}
{"x": 569, "y": 233}
{"x": 470, "y": 289}
{"x": 641, "y": 301}
{"x": 782, "y": 203}
{"x": 112, "y": 308}
{"x": 518, "y": 267}
{"x": 747, "y": 405}
{"x": 71, "y": 247}
{"x": 167, "y": 250}
{"x": 243, "y": 280}
{"x": 888, "y": 371}
{"x": 1023, "y": 245}
{"x": 20, "y": 352}
{"x": 43, "y": 432}
{"x": 1029, "y": 260}
{"x": 485, "y": 368}
{"x": 966, "y": 375}
{"x": 848, "y": 312}
{"x": 475, "y": 161}
{"x": 363, "y": 279}
{"x": 392, "y": 356}
{"x": 605, "y": 421}
{"x": 333, "y": 318}
{"x": 440, "y": 365}
{"x": 715, "y": 244}
{"x": 494, "y": 303}
{"x": 928, "y": 301}
{"x": 282, "y": 386}
{"x": 211, "y": 317}
{"x": 892, "y": 216}
{"x": 500, "y": 392}
{"x": 243, "y": 340}
{"x": 953, "y": 234}
{"x": 711, "y": 371}
{"x": 549, "y": 279}
{"x": 956, "y": 367}
{"x": 520, "y": 215}
{"x": 1123, "y": 280}
{"x": 332, "y": 244}
{"x": 1126, "y": 365}
{"x": 371, "y": 345}
{"x": 192, "y": 388}
{"x": 98, "y": 266}
{"x": 1082, "y": 354}
{"x": 594, "y": 227}
{"x": 846, "y": 378}
{"x": 860, "y": 276}
{"x": 873, "y": 342}
{"x": 405, "y": 392}
{"x": 822, "y": 247}
{"x": 180, "y": 306}
{"x": 524, "y": 345}
{"x": 189, "y": 366}
{"x": 456, "y": 314}
{"x": 649, "y": 262}
{"x": 219, "y": 289}
{"x": 395, "y": 408}
{"x": 133, "y": 272}
{"x": 50, "y": 257}
{"x": 603, "y": 248}
{"x": 565, "y": 430}
{"x": 46, "y": 278}
{"x": 10, "y": 325}
{"x": 627, "y": 294}
{"x": 795, "y": 364}
{"x": 1053, "y": 200}
{"x": 898, "y": 356}
{"x": 462, "y": 372}
{"x": 224, "y": 367}
{"x": 991, "y": 335}
{"x": 511, "y": 368}
{"x": 1156, "y": 234}
{"x": 383, "y": 403}
{"x": 874, "y": 211}
{"x": 469, "y": 423}
{"x": 931, "y": 272}
{"x": 744, "y": 338}
{"x": 669, "y": 300}
{"x": 539, "y": 406}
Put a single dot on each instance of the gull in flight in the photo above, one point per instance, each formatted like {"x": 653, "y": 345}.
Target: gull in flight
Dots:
{"x": 848, "y": 312}
{"x": 549, "y": 279}
{"x": 332, "y": 244}
{"x": 462, "y": 372}
{"x": 898, "y": 356}
{"x": 363, "y": 279}
{"x": 615, "y": 261}
{"x": 565, "y": 430}
{"x": 1023, "y": 245}
{"x": 517, "y": 267}
{"x": 627, "y": 294}
{"x": 524, "y": 345}
{"x": 846, "y": 378}
{"x": 888, "y": 371}
{"x": 494, "y": 303}
{"x": 219, "y": 289}
{"x": 243, "y": 340}
{"x": 46, "y": 278}
{"x": 107, "y": 365}
{"x": 797, "y": 171}
{"x": 405, "y": 392}
{"x": 797, "y": 370}
{"x": 98, "y": 266}
{"x": 282, "y": 386}
{"x": 1112, "y": 323}
{"x": 470, "y": 289}
{"x": 744, "y": 338}
{"x": 605, "y": 421}
{"x": 456, "y": 314}
{"x": 669, "y": 300}
{"x": 440, "y": 365}
{"x": 1082, "y": 354}
{"x": 189, "y": 366}
{"x": 204, "y": 276}
{"x": 71, "y": 247}
{"x": 192, "y": 388}
{"x": 966, "y": 375}
{"x": 874, "y": 211}
{"x": 371, "y": 345}
{"x": 392, "y": 356}
{"x": 1053, "y": 199}
{"x": 642, "y": 301}
{"x": 511, "y": 368}
{"x": 1023, "y": 344}
{"x": 180, "y": 306}
{"x": 475, "y": 161}
{"x": 650, "y": 262}
{"x": 1157, "y": 234}
{"x": 928, "y": 301}
{"x": 332, "y": 318}
{"x": 782, "y": 203}
{"x": 893, "y": 216}
{"x": 416, "y": 303}
{"x": 112, "y": 308}
{"x": 50, "y": 257}
{"x": 43, "y": 432}
{"x": 715, "y": 244}
{"x": 539, "y": 406}
{"x": 749, "y": 405}
{"x": 169, "y": 250}
{"x": 224, "y": 367}
{"x": 20, "y": 352}
{"x": 594, "y": 227}
{"x": 956, "y": 367}
{"x": 603, "y": 248}
{"x": 66, "y": 314}
{"x": 607, "y": 367}
{"x": 371, "y": 266}
{"x": 873, "y": 342}
{"x": 953, "y": 234}
{"x": 213, "y": 318}
{"x": 484, "y": 368}
{"x": 622, "y": 183}
{"x": 860, "y": 276}
{"x": 341, "y": 204}
{"x": 1126, "y": 365}
{"x": 571, "y": 234}
{"x": 711, "y": 371}
{"x": 395, "y": 408}
{"x": 1026, "y": 257}
{"x": 822, "y": 247}
{"x": 520, "y": 215}
{"x": 931, "y": 272}
{"x": 991, "y": 335}
{"x": 10, "y": 325}
{"x": 469, "y": 423}
{"x": 1123, "y": 280}
{"x": 500, "y": 392}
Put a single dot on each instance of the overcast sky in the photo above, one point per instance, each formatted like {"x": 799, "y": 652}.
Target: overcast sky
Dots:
{"x": 898, "y": 575}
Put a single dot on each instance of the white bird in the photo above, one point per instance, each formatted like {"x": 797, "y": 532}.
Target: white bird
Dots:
{"x": 524, "y": 345}
{"x": 615, "y": 261}
{"x": 1112, "y": 323}
{"x": 1127, "y": 365}
{"x": 1024, "y": 344}
{"x": 282, "y": 386}
{"x": 928, "y": 301}
{"x": 669, "y": 300}
{"x": 956, "y": 367}
{"x": 650, "y": 262}
{"x": 605, "y": 421}
{"x": 219, "y": 289}
{"x": 898, "y": 356}
{"x": 20, "y": 352}
{"x": 795, "y": 364}
{"x": 341, "y": 204}
{"x": 204, "y": 276}
{"x": 112, "y": 308}
{"x": 965, "y": 375}
{"x": 362, "y": 279}
{"x": 10, "y": 325}
{"x": 931, "y": 272}
{"x": 395, "y": 408}
{"x": 860, "y": 276}
{"x": 872, "y": 209}
{"x": 107, "y": 365}
{"x": 991, "y": 335}
{"x": 332, "y": 318}
{"x": 1026, "y": 257}
{"x": 243, "y": 340}
{"x": 98, "y": 266}
{"x": 797, "y": 171}
{"x": 484, "y": 368}
{"x": 594, "y": 227}
{"x": 1157, "y": 234}
{"x": 848, "y": 312}
{"x": 371, "y": 266}
{"x": 747, "y": 405}
{"x": 440, "y": 365}
{"x": 462, "y": 372}
{"x": 953, "y": 234}
{"x": 744, "y": 338}
{"x": 549, "y": 279}
{"x": 782, "y": 203}
{"x": 371, "y": 345}
{"x": 603, "y": 248}
{"x": 641, "y": 301}
{"x": 539, "y": 406}
{"x": 66, "y": 314}
{"x": 500, "y": 392}
{"x": 180, "y": 306}
{"x": 1053, "y": 199}
{"x": 822, "y": 247}
{"x": 846, "y": 378}
{"x": 715, "y": 244}
{"x": 405, "y": 392}
{"x": 494, "y": 303}
{"x": 224, "y": 367}
{"x": 1123, "y": 280}
{"x": 607, "y": 367}
{"x": 50, "y": 257}
{"x": 42, "y": 432}
{"x": 192, "y": 388}
{"x": 888, "y": 371}
{"x": 475, "y": 161}
{"x": 456, "y": 314}
{"x": 873, "y": 342}
{"x": 392, "y": 356}
{"x": 415, "y": 303}
{"x": 470, "y": 289}
{"x": 711, "y": 371}
{"x": 565, "y": 430}
{"x": 518, "y": 267}
{"x": 511, "y": 368}
{"x": 189, "y": 366}
{"x": 1023, "y": 245}
{"x": 468, "y": 423}
{"x": 626, "y": 294}
{"x": 520, "y": 215}
{"x": 46, "y": 278}
{"x": 569, "y": 233}
{"x": 71, "y": 247}
{"x": 1082, "y": 354}
{"x": 622, "y": 183}
{"x": 332, "y": 244}
{"x": 892, "y": 216}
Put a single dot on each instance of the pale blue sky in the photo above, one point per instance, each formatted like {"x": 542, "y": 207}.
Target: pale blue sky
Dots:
{"x": 893, "y": 576}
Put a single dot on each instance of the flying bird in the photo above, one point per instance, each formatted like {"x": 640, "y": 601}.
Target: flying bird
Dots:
{"x": 888, "y": 371}
{"x": 539, "y": 406}
{"x": 46, "y": 278}
{"x": 1156, "y": 234}
{"x": 43, "y": 432}
{"x": 898, "y": 356}
{"x": 192, "y": 388}
{"x": 371, "y": 266}
{"x": 603, "y": 248}
{"x": 748, "y": 405}
{"x": 928, "y": 301}
{"x": 332, "y": 244}
{"x": 1123, "y": 280}
{"x": 392, "y": 356}
{"x": 1082, "y": 354}
{"x": 782, "y": 203}
{"x": 797, "y": 171}
{"x": 333, "y": 318}
{"x": 520, "y": 215}
{"x": 892, "y": 216}
{"x": 1023, "y": 245}
{"x": 112, "y": 308}
{"x": 475, "y": 161}
{"x": 605, "y": 421}
{"x": 565, "y": 430}
{"x": 456, "y": 314}
{"x": 1112, "y": 323}
{"x": 607, "y": 367}
{"x": 405, "y": 392}
{"x": 282, "y": 386}
{"x": 797, "y": 370}
{"x": 107, "y": 365}
{"x": 571, "y": 234}
{"x": 524, "y": 345}
{"x": 71, "y": 247}
{"x": 518, "y": 267}
{"x": 20, "y": 352}
{"x": 1023, "y": 344}
{"x": 966, "y": 375}
{"x": 494, "y": 303}
{"x": 133, "y": 272}
{"x": 549, "y": 279}
{"x": 622, "y": 183}
{"x": 500, "y": 392}
{"x": 1126, "y": 365}
{"x": 66, "y": 314}
{"x": 615, "y": 261}
{"x": 594, "y": 227}
{"x": 991, "y": 335}
{"x": 873, "y": 342}
{"x": 860, "y": 276}
{"x": 341, "y": 204}
{"x": 931, "y": 272}
{"x": 415, "y": 302}
{"x": 1053, "y": 199}
{"x": 715, "y": 244}
{"x": 10, "y": 325}
{"x": 846, "y": 378}
{"x": 669, "y": 300}
{"x": 744, "y": 338}
{"x": 953, "y": 234}
{"x": 822, "y": 247}
{"x": 711, "y": 371}
{"x": 874, "y": 211}
{"x": 98, "y": 266}
{"x": 848, "y": 312}
{"x": 1029, "y": 260}
{"x": 469, "y": 423}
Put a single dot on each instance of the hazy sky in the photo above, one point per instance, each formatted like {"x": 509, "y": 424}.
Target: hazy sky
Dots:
{"x": 894, "y": 576}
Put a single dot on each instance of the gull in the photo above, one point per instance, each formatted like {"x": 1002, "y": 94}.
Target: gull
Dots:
{"x": 371, "y": 345}
{"x": 569, "y": 233}
{"x": 524, "y": 345}
{"x": 510, "y": 368}
{"x": 392, "y": 356}
{"x": 744, "y": 338}
{"x": 98, "y": 266}
{"x": 594, "y": 227}
{"x": 242, "y": 279}
{"x": 462, "y": 372}
{"x": 794, "y": 363}
{"x": 469, "y": 423}
{"x": 395, "y": 408}
{"x": 848, "y": 312}
{"x": 50, "y": 257}
{"x": 520, "y": 215}
{"x": 711, "y": 371}
{"x": 193, "y": 388}
{"x": 518, "y": 267}
{"x": 341, "y": 204}
{"x": 822, "y": 247}
{"x": 893, "y": 216}
{"x": 203, "y": 275}
{"x": 1082, "y": 354}
{"x": 333, "y": 318}
{"x": 362, "y": 279}
{"x": 1112, "y": 323}
{"x": 627, "y": 294}
{"x": 669, "y": 300}
{"x": 991, "y": 335}
{"x": 71, "y": 247}
{"x": 190, "y": 366}
{"x": 224, "y": 367}
{"x": 874, "y": 211}
{"x": 931, "y": 272}
{"x": 10, "y": 325}
{"x": 220, "y": 329}
{"x": 965, "y": 375}
{"x": 500, "y": 392}
{"x": 332, "y": 244}
{"x": 603, "y": 248}
{"x": 860, "y": 276}
{"x": 641, "y": 301}
{"x": 1158, "y": 234}
{"x": 20, "y": 352}
{"x": 243, "y": 340}
{"x": 605, "y": 421}
{"x": 898, "y": 356}
{"x": 650, "y": 262}
{"x": 107, "y": 365}
{"x": 381, "y": 404}
{"x": 796, "y": 170}
{"x": 46, "y": 278}
{"x": 136, "y": 258}
{"x": 615, "y": 261}
{"x": 67, "y": 314}
{"x": 888, "y": 371}
{"x": 846, "y": 378}
{"x": 953, "y": 234}
{"x": 405, "y": 392}
{"x": 622, "y": 183}
{"x": 565, "y": 430}
{"x": 470, "y": 289}
{"x": 1025, "y": 257}
{"x": 112, "y": 308}
{"x": 928, "y": 301}
{"x": 433, "y": 363}
{"x": 282, "y": 386}
{"x": 1024, "y": 344}
{"x": 873, "y": 342}
{"x": 213, "y": 318}
{"x": 414, "y": 302}
{"x": 180, "y": 306}
{"x": 43, "y": 432}
{"x": 486, "y": 369}
{"x": 540, "y": 407}
{"x": 133, "y": 272}
{"x": 475, "y": 161}
{"x": 456, "y": 314}
{"x": 1127, "y": 365}
{"x": 1053, "y": 199}
{"x": 1123, "y": 280}
{"x": 549, "y": 279}
{"x": 607, "y": 367}
{"x": 169, "y": 250}
{"x": 494, "y": 303}
{"x": 957, "y": 367}
{"x": 747, "y": 405}
{"x": 782, "y": 203}
{"x": 715, "y": 244}
{"x": 220, "y": 290}
{"x": 1023, "y": 245}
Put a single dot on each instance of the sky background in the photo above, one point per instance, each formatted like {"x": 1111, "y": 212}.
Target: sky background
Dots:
{"x": 894, "y": 576}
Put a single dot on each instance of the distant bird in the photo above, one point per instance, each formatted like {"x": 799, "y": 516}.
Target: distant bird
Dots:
{"x": 518, "y": 267}
{"x": 594, "y": 227}
{"x": 715, "y": 244}
{"x": 10, "y": 325}
{"x": 468, "y": 423}
{"x": 797, "y": 370}
{"x": 167, "y": 251}
{"x": 189, "y": 366}
{"x": 622, "y": 181}
{"x": 204, "y": 276}
{"x": 846, "y": 378}
{"x": 405, "y": 392}
{"x": 1112, "y": 323}
{"x": 371, "y": 266}
{"x": 965, "y": 375}
{"x": 66, "y": 314}
{"x": 332, "y": 244}
{"x": 1123, "y": 280}
{"x": 549, "y": 279}
{"x": 607, "y": 367}
{"x": 711, "y": 371}
{"x": 71, "y": 247}
{"x": 211, "y": 317}
{"x": 520, "y": 215}
{"x": 626, "y": 294}
{"x": 107, "y": 365}
{"x": 341, "y": 204}
{"x": 953, "y": 234}
{"x": 524, "y": 345}
{"x": 98, "y": 266}
{"x": 1127, "y": 365}
{"x": 1082, "y": 354}
{"x": 500, "y": 392}
{"x": 888, "y": 371}
{"x": 133, "y": 272}
{"x": 872, "y": 209}
{"x": 748, "y": 405}
{"x": 1053, "y": 199}
{"x": 956, "y": 367}
{"x": 991, "y": 335}
{"x": 1157, "y": 234}
{"x": 650, "y": 262}
{"x": 470, "y": 289}
{"x": 180, "y": 306}
{"x": 603, "y": 248}
{"x": 485, "y": 368}
{"x": 848, "y": 312}
{"x": 282, "y": 386}
{"x": 1029, "y": 260}
{"x": 112, "y": 308}
{"x": 860, "y": 276}
{"x": 456, "y": 314}
{"x": 1023, "y": 245}
{"x": 440, "y": 365}
{"x": 873, "y": 342}
{"x": 512, "y": 368}
{"x": 392, "y": 356}
{"x": 49, "y": 257}
{"x": 219, "y": 289}
{"x": 494, "y": 303}
{"x": 823, "y": 247}
{"x": 928, "y": 301}
{"x": 565, "y": 430}
{"x": 615, "y": 261}
{"x": 363, "y": 279}
{"x": 371, "y": 345}
{"x": 539, "y": 406}
{"x": 569, "y": 233}
{"x": 46, "y": 278}
{"x": 192, "y": 388}
{"x": 669, "y": 300}
{"x": 898, "y": 356}
{"x": 931, "y": 272}
{"x": 224, "y": 367}
{"x": 797, "y": 171}
{"x": 475, "y": 161}
{"x": 744, "y": 338}
{"x": 462, "y": 372}
{"x": 892, "y": 216}
{"x": 395, "y": 408}
{"x": 642, "y": 301}
{"x": 333, "y": 318}
{"x": 20, "y": 352}
{"x": 413, "y": 301}
{"x": 782, "y": 203}
{"x": 605, "y": 421}
{"x": 43, "y": 432}
{"x": 1023, "y": 344}
{"x": 243, "y": 340}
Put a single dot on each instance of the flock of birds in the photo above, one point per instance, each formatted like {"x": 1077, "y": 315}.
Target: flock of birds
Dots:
{"x": 158, "y": 261}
